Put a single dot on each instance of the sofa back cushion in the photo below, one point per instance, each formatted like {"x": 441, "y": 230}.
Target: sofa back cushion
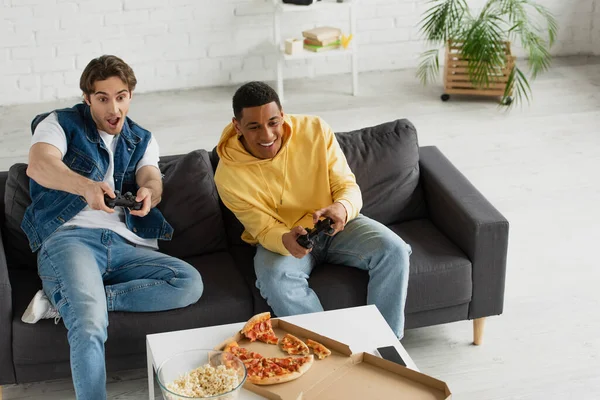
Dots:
{"x": 233, "y": 226}
{"x": 16, "y": 201}
{"x": 385, "y": 161}
{"x": 190, "y": 203}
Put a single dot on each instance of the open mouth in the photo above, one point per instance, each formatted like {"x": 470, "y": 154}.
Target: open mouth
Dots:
{"x": 267, "y": 145}
{"x": 113, "y": 122}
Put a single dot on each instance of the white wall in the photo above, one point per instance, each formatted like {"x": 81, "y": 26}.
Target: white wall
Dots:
{"x": 596, "y": 28}
{"x": 45, "y": 44}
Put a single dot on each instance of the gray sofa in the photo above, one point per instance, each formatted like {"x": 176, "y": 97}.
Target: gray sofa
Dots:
{"x": 458, "y": 265}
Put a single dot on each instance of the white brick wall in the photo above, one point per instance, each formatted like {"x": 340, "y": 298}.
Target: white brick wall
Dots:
{"x": 596, "y": 28}
{"x": 172, "y": 44}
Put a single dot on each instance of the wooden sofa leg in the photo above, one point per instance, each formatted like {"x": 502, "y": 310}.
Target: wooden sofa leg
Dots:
{"x": 478, "y": 325}
{"x": 0, "y": 392}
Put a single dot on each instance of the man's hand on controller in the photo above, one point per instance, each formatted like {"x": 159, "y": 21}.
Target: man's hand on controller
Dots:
{"x": 290, "y": 243}
{"x": 144, "y": 195}
{"x": 337, "y": 213}
{"x": 94, "y": 196}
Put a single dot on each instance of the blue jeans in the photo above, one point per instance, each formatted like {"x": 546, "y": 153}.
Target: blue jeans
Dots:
{"x": 75, "y": 264}
{"x": 365, "y": 244}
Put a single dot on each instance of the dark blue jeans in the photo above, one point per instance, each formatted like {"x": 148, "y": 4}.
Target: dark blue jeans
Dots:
{"x": 87, "y": 272}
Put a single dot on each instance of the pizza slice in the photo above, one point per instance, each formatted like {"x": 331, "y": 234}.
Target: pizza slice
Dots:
{"x": 279, "y": 370}
{"x": 293, "y": 363}
{"x": 294, "y": 346}
{"x": 259, "y": 328}
{"x": 269, "y": 371}
{"x": 240, "y": 352}
{"x": 320, "y": 351}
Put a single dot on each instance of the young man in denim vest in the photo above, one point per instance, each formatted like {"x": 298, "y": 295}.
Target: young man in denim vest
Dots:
{"x": 91, "y": 258}
{"x": 280, "y": 173}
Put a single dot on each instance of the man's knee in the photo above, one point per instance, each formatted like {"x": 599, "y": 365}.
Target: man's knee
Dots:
{"x": 193, "y": 285}
{"x": 196, "y": 288}
{"x": 273, "y": 274}
{"x": 266, "y": 281}
{"x": 394, "y": 247}
{"x": 90, "y": 325}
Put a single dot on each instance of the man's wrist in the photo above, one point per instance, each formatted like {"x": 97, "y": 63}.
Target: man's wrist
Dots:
{"x": 345, "y": 209}
{"x": 152, "y": 187}
{"x": 81, "y": 184}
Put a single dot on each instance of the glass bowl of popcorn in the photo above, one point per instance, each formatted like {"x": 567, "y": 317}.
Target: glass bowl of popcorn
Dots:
{"x": 201, "y": 374}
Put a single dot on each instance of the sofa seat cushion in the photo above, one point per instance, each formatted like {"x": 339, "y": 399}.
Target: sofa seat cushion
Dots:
{"x": 226, "y": 299}
{"x": 440, "y": 273}
{"x": 339, "y": 286}
{"x": 385, "y": 161}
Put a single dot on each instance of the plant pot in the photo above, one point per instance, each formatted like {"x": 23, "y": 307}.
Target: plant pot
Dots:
{"x": 456, "y": 74}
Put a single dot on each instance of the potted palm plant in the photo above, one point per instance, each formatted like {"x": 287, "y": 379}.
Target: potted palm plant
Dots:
{"x": 478, "y": 56}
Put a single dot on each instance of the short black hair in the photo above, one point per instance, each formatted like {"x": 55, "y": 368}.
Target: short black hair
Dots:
{"x": 253, "y": 94}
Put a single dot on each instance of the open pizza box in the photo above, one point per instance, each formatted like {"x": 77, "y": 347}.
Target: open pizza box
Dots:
{"x": 342, "y": 375}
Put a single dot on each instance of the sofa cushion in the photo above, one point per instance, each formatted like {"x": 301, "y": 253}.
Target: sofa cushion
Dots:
{"x": 337, "y": 286}
{"x": 191, "y": 205}
{"x": 226, "y": 299}
{"x": 385, "y": 161}
{"x": 233, "y": 226}
{"x": 3, "y": 179}
{"x": 440, "y": 273}
{"x": 16, "y": 201}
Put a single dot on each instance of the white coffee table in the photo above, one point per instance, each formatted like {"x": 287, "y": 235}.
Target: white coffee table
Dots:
{"x": 361, "y": 328}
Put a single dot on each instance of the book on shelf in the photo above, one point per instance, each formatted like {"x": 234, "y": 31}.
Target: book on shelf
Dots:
{"x": 318, "y": 49}
{"x": 326, "y": 42}
{"x": 322, "y": 33}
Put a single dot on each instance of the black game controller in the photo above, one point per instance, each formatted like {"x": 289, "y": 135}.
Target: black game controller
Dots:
{"x": 125, "y": 200}
{"x": 323, "y": 226}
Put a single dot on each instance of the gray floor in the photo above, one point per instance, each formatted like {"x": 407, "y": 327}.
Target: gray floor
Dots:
{"x": 540, "y": 165}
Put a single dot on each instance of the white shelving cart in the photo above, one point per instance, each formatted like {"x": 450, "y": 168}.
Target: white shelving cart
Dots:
{"x": 280, "y": 9}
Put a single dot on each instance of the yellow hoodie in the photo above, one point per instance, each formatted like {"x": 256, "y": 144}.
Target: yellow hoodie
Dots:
{"x": 270, "y": 197}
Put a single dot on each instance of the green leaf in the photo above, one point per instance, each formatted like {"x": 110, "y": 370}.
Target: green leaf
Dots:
{"x": 552, "y": 28}
{"x": 429, "y": 67}
{"x": 522, "y": 88}
{"x": 442, "y": 20}
{"x": 483, "y": 47}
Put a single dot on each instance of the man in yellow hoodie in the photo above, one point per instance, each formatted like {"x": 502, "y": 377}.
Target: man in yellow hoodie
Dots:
{"x": 280, "y": 173}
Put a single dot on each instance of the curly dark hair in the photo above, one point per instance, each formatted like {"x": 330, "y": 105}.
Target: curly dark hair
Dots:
{"x": 253, "y": 94}
{"x": 105, "y": 67}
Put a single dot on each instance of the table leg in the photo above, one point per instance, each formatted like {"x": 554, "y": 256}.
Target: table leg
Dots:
{"x": 478, "y": 330}
{"x": 150, "y": 372}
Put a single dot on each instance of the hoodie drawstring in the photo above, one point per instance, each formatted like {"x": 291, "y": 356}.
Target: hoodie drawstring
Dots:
{"x": 282, "y": 186}
{"x": 268, "y": 187}
{"x": 285, "y": 166}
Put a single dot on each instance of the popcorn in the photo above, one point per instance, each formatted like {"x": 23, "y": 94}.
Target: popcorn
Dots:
{"x": 205, "y": 381}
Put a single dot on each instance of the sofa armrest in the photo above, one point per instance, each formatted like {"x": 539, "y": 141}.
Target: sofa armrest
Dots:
{"x": 7, "y": 372}
{"x": 471, "y": 222}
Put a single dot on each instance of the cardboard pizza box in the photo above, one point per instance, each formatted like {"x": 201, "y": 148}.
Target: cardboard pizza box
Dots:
{"x": 342, "y": 375}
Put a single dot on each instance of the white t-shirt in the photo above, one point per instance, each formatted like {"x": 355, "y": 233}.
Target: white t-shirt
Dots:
{"x": 49, "y": 131}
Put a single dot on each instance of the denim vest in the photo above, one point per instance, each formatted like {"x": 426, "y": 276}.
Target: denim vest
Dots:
{"x": 87, "y": 155}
